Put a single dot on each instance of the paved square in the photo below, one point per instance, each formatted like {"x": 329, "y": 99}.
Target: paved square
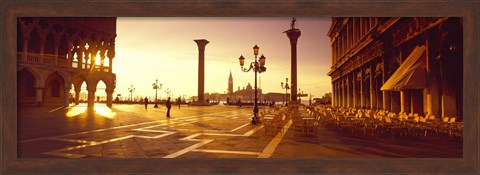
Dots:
{"x": 130, "y": 131}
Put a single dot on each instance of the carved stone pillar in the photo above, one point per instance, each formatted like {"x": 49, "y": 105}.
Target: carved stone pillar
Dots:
{"x": 354, "y": 90}
{"x": 405, "y": 99}
{"x": 373, "y": 102}
{"x": 293, "y": 34}
{"x": 25, "y": 48}
{"x": 39, "y": 95}
{"x": 91, "y": 95}
{"x": 87, "y": 57}
{"x": 110, "y": 55}
{"x": 109, "y": 92}
{"x": 362, "y": 94}
{"x": 348, "y": 91}
{"x": 67, "y": 95}
{"x": 201, "y": 43}
{"x": 80, "y": 57}
{"x": 77, "y": 95}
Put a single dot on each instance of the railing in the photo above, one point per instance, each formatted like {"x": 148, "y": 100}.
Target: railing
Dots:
{"x": 49, "y": 60}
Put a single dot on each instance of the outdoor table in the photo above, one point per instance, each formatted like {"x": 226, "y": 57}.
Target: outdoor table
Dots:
{"x": 268, "y": 117}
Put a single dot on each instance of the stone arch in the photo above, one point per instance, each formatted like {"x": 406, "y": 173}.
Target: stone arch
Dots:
{"x": 54, "y": 91}
{"x": 77, "y": 82}
{"x": 26, "y": 91}
{"x": 100, "y": 92}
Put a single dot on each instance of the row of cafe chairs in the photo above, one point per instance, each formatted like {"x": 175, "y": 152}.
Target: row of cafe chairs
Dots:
{"x": 383, "y": 123}
{"x": 273, "y": 119}
{"x": 304, "y": 121}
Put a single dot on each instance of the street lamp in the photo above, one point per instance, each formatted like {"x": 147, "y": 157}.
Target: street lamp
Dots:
{"x": 131, "y": 89}
{"x": 258, "y": 67}
{"x": 286, "y": 87}
{"x": 156, "y": 86}
{"x": 168, "y": 91}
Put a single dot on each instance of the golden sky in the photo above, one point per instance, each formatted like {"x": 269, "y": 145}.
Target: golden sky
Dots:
{"x": 149, "y": 48}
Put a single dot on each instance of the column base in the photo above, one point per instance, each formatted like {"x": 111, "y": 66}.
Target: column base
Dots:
{"x": 200, "y": 103}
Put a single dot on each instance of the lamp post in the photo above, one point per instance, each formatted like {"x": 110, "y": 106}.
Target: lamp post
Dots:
{"x": 156, "y": 86}
{"x": 286, "y": 87}
{"x": 131, "y": 89}
{"x": 258, "y": 67}
{"x": 168, "y": 91}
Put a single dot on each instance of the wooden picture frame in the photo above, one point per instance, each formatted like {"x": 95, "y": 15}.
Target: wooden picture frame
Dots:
{"x": 10, "y": 10}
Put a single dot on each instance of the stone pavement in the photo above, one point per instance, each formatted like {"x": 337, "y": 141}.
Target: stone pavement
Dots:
{"x": 130, "y": 131}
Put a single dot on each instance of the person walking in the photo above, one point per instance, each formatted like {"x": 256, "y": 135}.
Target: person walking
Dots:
{"x": 168, "y": 104}
{"x": 146, "y": 102}
{"x": 179, "y": 101}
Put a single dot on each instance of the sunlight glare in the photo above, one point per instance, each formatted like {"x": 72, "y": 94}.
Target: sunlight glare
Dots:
{"x": 104, "y": 111}
{"x": 101, "y": 110}
{"x": 76, "y": 110}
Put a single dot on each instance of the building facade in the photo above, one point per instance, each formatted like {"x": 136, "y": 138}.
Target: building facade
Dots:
{"x": 56, "y": 54}
{"x": 412, "y": 65}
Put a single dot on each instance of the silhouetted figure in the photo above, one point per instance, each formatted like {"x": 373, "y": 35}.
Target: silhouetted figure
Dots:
{"x": 292, "y": 25}
{"x": 117, "y": 100}
{"x": 239, "y": 103}
{"x": 179, "y": 101}
{"x": 168, "y": 104}
{"x": 228, "y": 101}
{"x": 146, "y": 102}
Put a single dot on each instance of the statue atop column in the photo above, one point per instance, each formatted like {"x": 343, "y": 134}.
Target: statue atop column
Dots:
{"x": 293, "y": 34}
{"x": 292, "y": 24}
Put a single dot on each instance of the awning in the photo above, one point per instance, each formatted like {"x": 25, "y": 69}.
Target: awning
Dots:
{"x": 411, "y": 74}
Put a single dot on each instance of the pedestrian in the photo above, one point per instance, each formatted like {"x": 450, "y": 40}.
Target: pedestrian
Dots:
{"x": 239, "y": 103}
{"x": 146, "y": 102}
{"x": 178, "y": 102}
{"x": 168, "y": 104}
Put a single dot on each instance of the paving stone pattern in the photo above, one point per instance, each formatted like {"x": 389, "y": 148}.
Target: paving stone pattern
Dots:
{"x": 130, "y": 131}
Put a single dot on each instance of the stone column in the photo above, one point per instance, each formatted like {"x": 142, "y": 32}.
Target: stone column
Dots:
{"x": 362, "y": 94}
{"x": 354, "y": 90}
{"x": 77, "y": 95}
{"x": 373, "y": 102}
{"x": 39, "y": 95}
{"x": 338, "y": 94}
{"x": 405, "y": 101}
{"x": 109, "y": 92}
{"x": 293, "y": 34}
{"x": 67, "y": 95}
{"x": 91, "y": 95}
{"x": 334, "y": 101}
{"x": 386, "y": 101}
{"x": 348, "y": 92}
{"x": 201, "y": 43}
{"x": 80, "y": 57}
{"x": 25, "y": 48}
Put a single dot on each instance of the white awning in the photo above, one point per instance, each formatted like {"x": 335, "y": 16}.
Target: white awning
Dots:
{"x": 411, "y": 74}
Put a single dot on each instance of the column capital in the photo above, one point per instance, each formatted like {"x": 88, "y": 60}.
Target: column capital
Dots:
{"x": 293, "y": 35}
{"x": 91, "y": 88}
{"x": 201, "y": 43}
{"x": 109, "y": 90}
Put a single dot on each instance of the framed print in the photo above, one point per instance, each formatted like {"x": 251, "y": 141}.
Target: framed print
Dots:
{"x": 154, "y": 87}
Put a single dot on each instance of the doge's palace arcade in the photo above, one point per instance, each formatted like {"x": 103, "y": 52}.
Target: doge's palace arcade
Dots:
{"x": 55, "y": 53}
